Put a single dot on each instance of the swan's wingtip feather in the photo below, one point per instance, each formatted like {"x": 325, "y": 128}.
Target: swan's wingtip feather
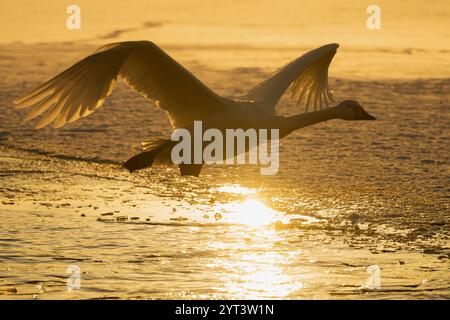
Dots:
{"x": 20, "y": 103}
{"x": 57, "y": 125}
{"x": 20, "y": 100}
{"x": 40, "y": 125}
{"x": 333, "y": 45}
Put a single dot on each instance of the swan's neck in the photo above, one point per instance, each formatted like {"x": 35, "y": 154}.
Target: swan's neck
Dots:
{"x": 302, "y": 120}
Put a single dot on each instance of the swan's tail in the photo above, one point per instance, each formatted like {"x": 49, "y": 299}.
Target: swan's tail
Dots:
{"x": 159, "y": 151}
{"x": 154, "y": 150}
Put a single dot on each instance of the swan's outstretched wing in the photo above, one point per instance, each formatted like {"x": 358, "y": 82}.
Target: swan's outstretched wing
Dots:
{"x": 307, "y": 76}
{"x": 81, "y": 89}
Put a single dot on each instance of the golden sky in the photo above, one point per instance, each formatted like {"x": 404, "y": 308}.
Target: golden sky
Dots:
{"x": 410, "y": 23}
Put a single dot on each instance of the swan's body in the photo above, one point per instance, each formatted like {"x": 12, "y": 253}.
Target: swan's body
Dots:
{"x": 81, "y": 89}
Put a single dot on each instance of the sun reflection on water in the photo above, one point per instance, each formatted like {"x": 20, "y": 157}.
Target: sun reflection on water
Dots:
{"x": 235, "y": 188}
{"x": 252, "y": 263}
{"x": 251, "y": 212}
{"x": 253, "y": 266}
{"x": 260, "y": 275}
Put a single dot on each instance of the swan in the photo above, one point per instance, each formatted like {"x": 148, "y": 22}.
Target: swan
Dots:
{"x": 81, "y": 89}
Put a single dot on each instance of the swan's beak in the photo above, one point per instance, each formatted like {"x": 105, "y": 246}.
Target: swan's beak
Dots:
{"x": 366, "y": 116}
{"x": 369, "y": 117}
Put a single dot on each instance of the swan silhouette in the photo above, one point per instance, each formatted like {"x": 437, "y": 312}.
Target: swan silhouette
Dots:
{"x": 81, "y": 89}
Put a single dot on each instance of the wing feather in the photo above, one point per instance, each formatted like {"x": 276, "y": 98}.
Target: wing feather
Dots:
{"x": 82, "y": 88}
{"x": 307, "y": 77}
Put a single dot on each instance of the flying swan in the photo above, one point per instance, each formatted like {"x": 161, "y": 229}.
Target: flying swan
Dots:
{"x": 81, "y": 89}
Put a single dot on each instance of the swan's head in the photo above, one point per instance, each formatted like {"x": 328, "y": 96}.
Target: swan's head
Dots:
{"x": 352, "y": 110}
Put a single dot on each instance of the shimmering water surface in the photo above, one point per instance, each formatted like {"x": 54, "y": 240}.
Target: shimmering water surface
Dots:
{"x": 234, "y": 244}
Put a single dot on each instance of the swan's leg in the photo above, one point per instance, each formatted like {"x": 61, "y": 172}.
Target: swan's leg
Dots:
{"x": 190, "y": 169}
